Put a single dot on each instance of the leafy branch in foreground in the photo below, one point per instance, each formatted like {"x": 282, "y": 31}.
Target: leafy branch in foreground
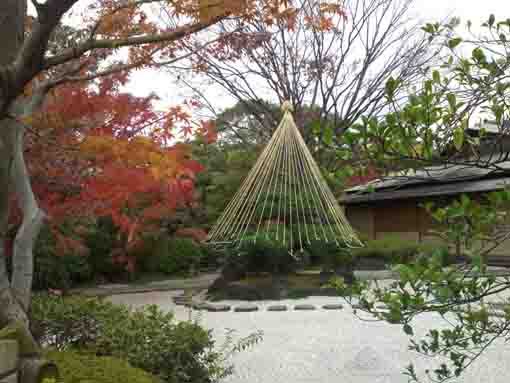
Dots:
{"x": 456, "y": 294}
{"x": 431, "y": 128}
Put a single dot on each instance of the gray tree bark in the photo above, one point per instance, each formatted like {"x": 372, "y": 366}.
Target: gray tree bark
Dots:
{"x": 33, "y": 217}
{"x": 14, "y": 297}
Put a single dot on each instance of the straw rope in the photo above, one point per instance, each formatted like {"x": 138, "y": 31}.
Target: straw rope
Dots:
{"x": 284, "y": 189}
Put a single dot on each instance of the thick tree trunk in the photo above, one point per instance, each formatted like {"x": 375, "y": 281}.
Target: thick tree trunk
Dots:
{"x": 12, "y": 26}
{"x": 5, "y": 175}
{"x": 12, "y": 309}
{"x": 12, "y": 14}
{"x": 14, "y": 302}
{"x": 32, "y": 221}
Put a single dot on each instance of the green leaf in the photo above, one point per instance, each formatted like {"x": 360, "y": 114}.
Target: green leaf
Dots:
{"x": 454, "y": 42}
{"x": 436, "y": 77}
{"x": 391, "y": 86}
{"x": 429, "y": 28}
{"x": 478, "y": 55}
{"x": 458, "y": 138}
{"x": 391, "y": 119}
{"x": 504, "y": 23}
{"x": 464, "y": 199}
{"x": 315, "y": 126}
{"x": 492, "y": 20}
{"x": 328, "y": 135}
{"x": 477, "y": 261}
{"x": 408, "y": 330}
{"x": 428, "y": 86}
{"x": 452, "y": 101}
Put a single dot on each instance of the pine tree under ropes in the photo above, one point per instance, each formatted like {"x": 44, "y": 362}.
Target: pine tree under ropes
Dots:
{"x": 284, "y": 198}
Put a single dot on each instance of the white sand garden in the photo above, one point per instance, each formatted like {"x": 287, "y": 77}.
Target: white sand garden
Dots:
{"x": 323, "y": 346}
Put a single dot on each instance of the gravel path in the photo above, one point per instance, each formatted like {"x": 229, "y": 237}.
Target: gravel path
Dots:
{"x": 322, "y": 346}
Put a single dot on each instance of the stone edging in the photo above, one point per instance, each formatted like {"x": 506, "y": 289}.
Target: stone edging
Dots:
{"x": 198, "y": 283}
{"x": 204, "y": 281}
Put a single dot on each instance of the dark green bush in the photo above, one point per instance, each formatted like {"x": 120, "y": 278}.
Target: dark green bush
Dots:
{"x": 152, "y": 340}
{"x": 330, "y": 255}
{"x": 100, "y": 242}
{"x": 177, "y": 255}
{"x": 395, "y": 250}
{"x": 145, "y": 253}
{"x": 337, "y": 257}
{"x": 72, "y": 322}
{"x": 52, "y": 271}
{"x": 60, "y": 272}
{"x": 75, "y": 367}
{"x": 176, "y": 352}
{"x": 264, "y": 255}
{"x": 211, "y": 257}
{"x": 172, "y": 256}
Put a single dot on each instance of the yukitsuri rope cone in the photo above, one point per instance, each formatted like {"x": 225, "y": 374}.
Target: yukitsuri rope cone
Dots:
{"x": 284, "y": 198}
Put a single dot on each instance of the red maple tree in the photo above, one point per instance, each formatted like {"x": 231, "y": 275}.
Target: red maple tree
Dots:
{"x": 109, "y": 153}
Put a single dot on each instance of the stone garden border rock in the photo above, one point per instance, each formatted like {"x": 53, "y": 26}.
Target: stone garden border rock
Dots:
{"x": 246, "y": 308}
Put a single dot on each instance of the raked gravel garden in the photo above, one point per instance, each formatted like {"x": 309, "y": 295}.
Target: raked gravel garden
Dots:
{"x": 319, "y": 345}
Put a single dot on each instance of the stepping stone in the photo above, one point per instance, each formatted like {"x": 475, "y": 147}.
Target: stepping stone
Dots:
{"x": 181, "y": 300}
{"x": 304, "y": 307}
{"x": 217, "y": 308}
{"x": 333, "y": 307}
{"x": 199, "y": 306}
{"x": 277, "y": 308}
{"x": 246, "y": 309}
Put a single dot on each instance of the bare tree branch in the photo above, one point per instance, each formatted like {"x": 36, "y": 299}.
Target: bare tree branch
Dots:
{"x": 129, "y": 41}
{"x": 341, "y": 71}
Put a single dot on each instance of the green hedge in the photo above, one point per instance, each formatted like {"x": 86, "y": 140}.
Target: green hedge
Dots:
{"x": 395, "y": 250}
{"x": 101, "y": 240}
{"x": 175, "y": 352}
{"x": 172, "y": 256}
{"x": 331, "y": 255}
{"x": 157, "y": 253}
{"x": 75, "y": 367}
{"x": 262, "y": 255}
{"x": 52, "y": 271}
